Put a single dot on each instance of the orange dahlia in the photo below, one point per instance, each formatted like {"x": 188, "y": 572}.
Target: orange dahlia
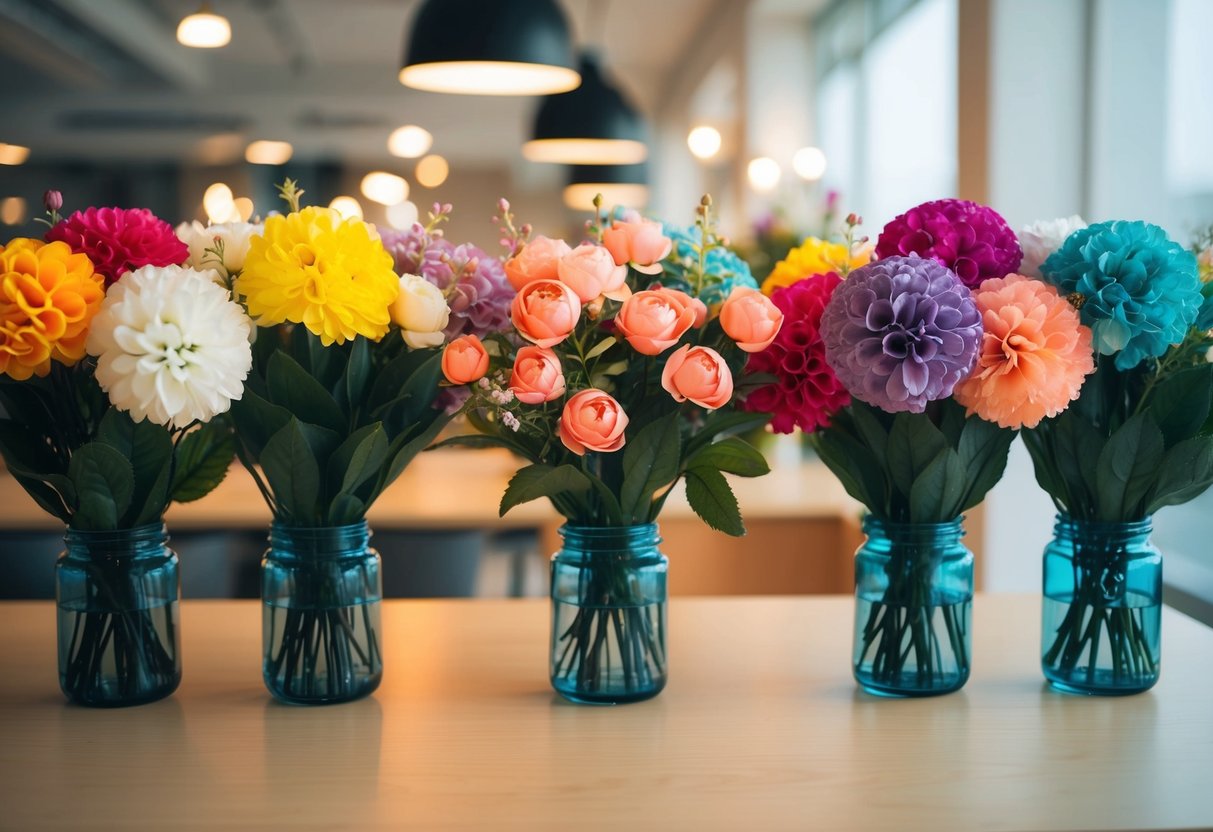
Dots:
{"x": 1033, "y": 357}
{"x": 48, "y": 297}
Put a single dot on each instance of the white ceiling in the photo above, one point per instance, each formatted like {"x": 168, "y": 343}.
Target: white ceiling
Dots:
{"x": 105, "y": 79}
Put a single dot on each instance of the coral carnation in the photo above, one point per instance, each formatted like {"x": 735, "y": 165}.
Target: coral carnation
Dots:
{"x": 118, "y": 240}
{"x": 970, "y": 239}
{"x": 807, "y": 392}
{"x": 1034, "y": 354}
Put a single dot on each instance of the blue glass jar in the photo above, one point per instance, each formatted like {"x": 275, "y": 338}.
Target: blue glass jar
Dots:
{"x": 609, "y": 614}
{"x": 1100, "y": 624}
{"x": 117, "y": 596}
{"x": 321, "y": 590}
{"x": 913, "y": 608}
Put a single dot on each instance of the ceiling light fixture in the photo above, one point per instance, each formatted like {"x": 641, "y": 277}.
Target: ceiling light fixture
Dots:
{"x": 489, "y": 47}
{"x": 265, "y": 152}
{"x": 13, "y": 154}
{"x": 384, "y": 188}
{"x": 592, "y": 125}
{"x": 620, "y": 186}
{"x": 347, "y": 207}
{"x": 204, "y": 29}
{"x": 432, "y": 171}
{"x": 12, "y": 210}
{"x": 704, "y": 141}
{"x": 764, "y": 174}
{"x": 809, "y": 163}
{"x": 219, "y": 204}
{"x": 402, "y": 215}
{"x": 409, "y": 141}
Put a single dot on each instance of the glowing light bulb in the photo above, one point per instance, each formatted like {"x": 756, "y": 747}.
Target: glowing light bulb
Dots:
{"x": 432, "y": 171}
{"x": 347, "y": 207}
{"x": 809, "y": 163}
{"x": 764, "y": 174}
{"x": 13, "y": 154}
{"x": 268, "y": 153}
{"x": 204, "y": 29}
{"x": 402, "y": 215}
{"x": 409, "y": 141}
{"x": 219, "y": 204}
{"x": 704, "y": 141}
{"x": 384, "y": 188}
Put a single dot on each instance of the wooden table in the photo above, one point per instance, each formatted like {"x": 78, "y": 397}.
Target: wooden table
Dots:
{"x": 760, "y": 728}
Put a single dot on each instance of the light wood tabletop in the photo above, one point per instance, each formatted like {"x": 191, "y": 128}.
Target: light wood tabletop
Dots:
{"x": 760, "y": 728}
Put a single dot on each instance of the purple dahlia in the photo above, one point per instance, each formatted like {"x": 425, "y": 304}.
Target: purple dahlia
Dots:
{"x": 475, "y": 284}
{"x": 901, "y": 332}
{"x": 970, "y": 239}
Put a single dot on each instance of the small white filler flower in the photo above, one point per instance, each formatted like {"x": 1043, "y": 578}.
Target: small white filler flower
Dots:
{"x": 171, "y": 346}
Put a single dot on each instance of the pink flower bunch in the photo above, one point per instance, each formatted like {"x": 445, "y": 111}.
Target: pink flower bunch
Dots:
{"x": 119, "y": 240}
{"x": 972, "y": 240}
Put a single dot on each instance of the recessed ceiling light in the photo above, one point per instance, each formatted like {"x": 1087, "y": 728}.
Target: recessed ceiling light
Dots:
{"x": 432, "y": 171}
{"x": 384, "y": 188}
{"x": 809, "y": 163}
{"x": 409, "y": 141}
{"x": 704, "y": 141}
{"x": 764, "y": 174}
{"x": 204, "y": 29}
{"x": 13, "y": 154}
{"x": 268, "y": 153}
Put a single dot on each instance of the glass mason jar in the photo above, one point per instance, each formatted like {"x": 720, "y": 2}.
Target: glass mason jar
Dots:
{"x": 913, "y": 608}
{"x": 1100, "y": 624}
{"x": 117, "y": 596}
{"x": 321, "y": 590}
{"x": 609, "y": 614}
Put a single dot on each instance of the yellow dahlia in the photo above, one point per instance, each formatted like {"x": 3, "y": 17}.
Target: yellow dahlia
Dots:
{"x": 313, "y": 268}
{"x": 813, "y": 256}
{"x": 48, "y": 297}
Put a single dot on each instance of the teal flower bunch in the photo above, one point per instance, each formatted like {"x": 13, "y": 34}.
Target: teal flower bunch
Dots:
{"x": 1138, "y": 289}
{"x": 726, "y": 270}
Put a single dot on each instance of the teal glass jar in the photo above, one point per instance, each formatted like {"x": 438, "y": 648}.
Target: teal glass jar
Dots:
{"x": 117, "y": 595}
{"x": 608, "y": 614}
{"x": 1101, "y": 617}
{"x": 321, "y": 590}
{"x": 913, "y": 608}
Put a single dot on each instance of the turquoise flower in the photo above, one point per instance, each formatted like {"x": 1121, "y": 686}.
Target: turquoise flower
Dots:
{"x": 1139, "y": 290}
{"x": 723, "y": 269}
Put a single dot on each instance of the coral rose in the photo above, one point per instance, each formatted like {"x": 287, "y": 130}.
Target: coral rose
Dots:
{"x": 545, "y": 312}
{"x": 537, "y": 376}
{"x": 1033, "y": 357}
{"x": 750, "y": 319}
{"x": 592, "y": 421}
{"x": 640, "y": 243}
{"x": 465, "y": 360}
{"x": 536, "y": 261}
{"x": 590, "y": 271}
{"x": 652, "y": 321}
{"x": 699, "y": 374}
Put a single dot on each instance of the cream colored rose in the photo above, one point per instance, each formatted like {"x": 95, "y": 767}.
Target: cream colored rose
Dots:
{"x": 235, "y": 237}
{"x": 421, "y": 312}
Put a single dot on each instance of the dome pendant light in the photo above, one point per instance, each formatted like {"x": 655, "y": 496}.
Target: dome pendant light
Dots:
{"x": 621, "y": 186}
{"x": 592, "y": 125}
{"x": 489, "y": 47}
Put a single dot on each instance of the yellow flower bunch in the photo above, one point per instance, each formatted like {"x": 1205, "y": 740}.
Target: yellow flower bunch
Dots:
{"x": 311, "y": 267}
{"x": 813, "y": 256}
{"x": 48, "y": 298}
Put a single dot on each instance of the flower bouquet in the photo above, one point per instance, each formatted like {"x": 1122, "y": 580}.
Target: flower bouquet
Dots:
{"x": 1139, "y": 438}
{"x": 115, "y": 362}
{"x": 614, "y": 386}
{"x": 345, "y": 392}
{"x": 911, "y": 374}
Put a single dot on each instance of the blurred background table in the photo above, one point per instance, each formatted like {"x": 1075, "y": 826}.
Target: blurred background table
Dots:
{"x": 761, "y": 727}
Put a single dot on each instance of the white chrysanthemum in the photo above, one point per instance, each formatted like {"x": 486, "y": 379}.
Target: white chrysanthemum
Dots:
{"x": 235, "y": 237}
{"x": 171, "y": 346}
{"x": 1042, "y": 238}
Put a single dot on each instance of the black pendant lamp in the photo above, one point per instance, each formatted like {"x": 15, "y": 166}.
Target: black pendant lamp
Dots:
{"x": 592, "y": 125}
{"x": 623, "y": 186}
{"x": 489, "y": 47}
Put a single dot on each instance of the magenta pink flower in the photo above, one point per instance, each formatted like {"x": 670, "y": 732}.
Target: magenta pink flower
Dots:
{"x": 970, "y": 239}
{"x": 807, "y": 393}
{"x": 120, "y": 240}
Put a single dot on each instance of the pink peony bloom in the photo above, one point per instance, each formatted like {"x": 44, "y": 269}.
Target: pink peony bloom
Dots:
{"x": 750, "y": 319}
{"x": 970, "y": 239}
{"x": 806, "y": 393}
{"x": 120, "y": 240}
{"x": 465, "y": 360}
{"x": 1034, "y": 354}
{"x": 699, "y": 374}
{"x": 536, "y": 261}
{"x": 639, "y": 242}
{"x": 652, "y": 321}
{"x": 537, "y": 376}
{"x": 592, "y": 421}
{"x": 591, "y": 273}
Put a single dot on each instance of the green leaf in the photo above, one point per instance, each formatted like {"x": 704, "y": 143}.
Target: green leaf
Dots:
{"x": 732, "y": 455}
{"x": 1186, "y": 473}
{"x": 293, "y": 388}
{"x": 914, "y": 443}
{"x": 711, "y": 498}
{"x": 322, "y": 363}
{"x": 56, "y": 499}
{"x": 540, "y": 480}
{"x": 1180, "y": 404}
{"x": 149, "y": 449}
{"x": 406, "y": 451}
{"x": 203, "y": 459}
{"x": 936, "y": 494}
{"x": 358, "y": 460}
{"x": 862, "y": 475}
{"x": 650, "y": 460}
{"x": 257, "y": 419}
{"x": 983, "y": 450}
{"x": 104, "y": 482}
{"x": 601, "y": 347}
{"x": 390, "y": 380}
{"x": 416, "y": 396}
{"x": 1127, "y": 467}
{"x": 869, "y": 428}
{"x": 357, "y": 375}
{"x": 293, "y": 473}
{"x": 26, "y": 452}
{"x": 725, "y": 423}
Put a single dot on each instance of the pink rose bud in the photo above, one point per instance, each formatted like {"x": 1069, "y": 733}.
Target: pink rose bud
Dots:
{"x": 591, "y": 272}
{"x": 52, "y": 200}
{"x": 537, "y": 376}
{"x": 640, "y": 243}
{"x": 592, "y": 421}
{"x": 465, "y": 360}
{"x": 536, "y": 261}
{"x": 545, "y": 312}
{"x": 503, "y": 205}
{"x": 699, "y": 374}
{"x": 751, "y": 319}
{"x": 652, "y": 321}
